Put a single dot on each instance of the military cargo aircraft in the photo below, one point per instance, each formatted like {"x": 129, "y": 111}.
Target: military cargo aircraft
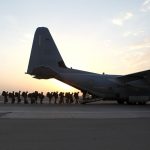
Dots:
{"x": 46, "y": 62}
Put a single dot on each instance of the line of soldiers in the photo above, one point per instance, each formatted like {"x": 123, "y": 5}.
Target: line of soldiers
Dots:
{"x": 36, "y": 97}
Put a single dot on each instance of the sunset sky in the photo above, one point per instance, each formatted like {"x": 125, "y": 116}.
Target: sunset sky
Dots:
{"x": 111, "y": 36}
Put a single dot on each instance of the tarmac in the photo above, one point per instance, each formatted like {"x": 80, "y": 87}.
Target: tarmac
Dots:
{"x": 74, "y": 127}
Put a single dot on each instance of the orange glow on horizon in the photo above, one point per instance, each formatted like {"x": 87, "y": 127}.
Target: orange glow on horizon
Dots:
{"x": 45, "y": 86}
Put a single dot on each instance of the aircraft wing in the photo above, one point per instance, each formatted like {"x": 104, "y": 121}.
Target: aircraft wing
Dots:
{"x": 145, "y": 75}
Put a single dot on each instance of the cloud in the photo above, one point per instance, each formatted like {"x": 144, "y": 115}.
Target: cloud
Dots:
{"x": 141, "y": 46}
{"x": 146, "y": 6}
{"x": 133, "y": 33}
{"x": 135, "y": 57}
{"x": 122, "y": 18}
{"x": 136, "y": 61}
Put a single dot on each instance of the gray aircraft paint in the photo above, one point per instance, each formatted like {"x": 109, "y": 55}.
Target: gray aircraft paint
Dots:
{"x": 46, "y": 62}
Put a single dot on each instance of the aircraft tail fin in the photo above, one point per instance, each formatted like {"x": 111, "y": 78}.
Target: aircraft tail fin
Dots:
{"x": 45, "y": 58}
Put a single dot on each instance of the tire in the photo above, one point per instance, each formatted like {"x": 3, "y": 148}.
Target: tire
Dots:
{"x": 120, "y": 101}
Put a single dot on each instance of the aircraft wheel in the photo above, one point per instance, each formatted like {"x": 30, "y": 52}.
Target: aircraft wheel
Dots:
{"x": 141, "y": 103}
{"x": 120, "y": 101}
{"x": 131, "y": 103}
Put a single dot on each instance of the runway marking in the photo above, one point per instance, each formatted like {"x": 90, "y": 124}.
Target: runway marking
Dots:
{"x": 73, "y": 111}
{"x": 3, "y": 114}
{"x": 71, "y": 115}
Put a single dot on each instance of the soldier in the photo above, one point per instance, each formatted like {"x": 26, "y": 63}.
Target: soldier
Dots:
{"x": 41, "y": 96}
{"x": 49, "y": 95}
{"x": 67, "y": 97}
{"x": 17, "y": 94}
{"x": 35, "y": 95}
{"x": 30, "y": 95}
{"x": 25, "y": 95}
{"x": 61, "y": 95}
{"x": 5, "y": 95}
{"x": 76, "y": 96}
{"x": 71, "y": 97}
{"x": 55, "y": 94}
{"x": 12, "y": 96}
